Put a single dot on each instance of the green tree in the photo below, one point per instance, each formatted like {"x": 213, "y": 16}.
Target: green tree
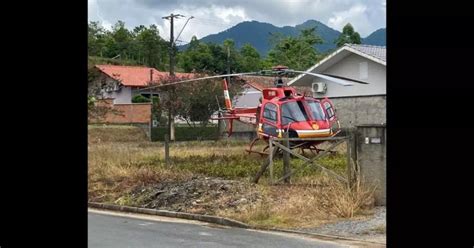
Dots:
{"x": 348, "y": 35}
{"x": 150, "y": 47}
{"x": 249, "y": 59}
{"x": 97, "y": 36}
{"x": 295, "y": 52}
{"x": 119, "y": 41}
{"x": 219, "y": 59}
{"x": 197, "y": 57}
{"x": 209, "y": 58}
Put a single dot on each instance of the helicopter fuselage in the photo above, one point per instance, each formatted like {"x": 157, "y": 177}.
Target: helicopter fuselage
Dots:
{"x": 283, "y": 110}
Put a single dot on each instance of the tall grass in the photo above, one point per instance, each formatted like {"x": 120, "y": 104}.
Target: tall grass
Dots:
{"x": 120, "y": 161}
{"x": 305, "y": 206}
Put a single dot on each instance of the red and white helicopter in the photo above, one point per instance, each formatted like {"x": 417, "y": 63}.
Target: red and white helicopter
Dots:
{"x": 282, "y": 110}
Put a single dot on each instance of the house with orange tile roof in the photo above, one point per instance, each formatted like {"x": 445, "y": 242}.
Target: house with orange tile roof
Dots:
{"x": 121, "y": 83}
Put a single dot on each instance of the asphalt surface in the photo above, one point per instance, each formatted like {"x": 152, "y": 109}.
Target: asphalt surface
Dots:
{"x": 106, "y": 230}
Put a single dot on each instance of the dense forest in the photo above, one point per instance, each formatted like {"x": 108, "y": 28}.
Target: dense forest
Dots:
{"x": 144, "y": 46}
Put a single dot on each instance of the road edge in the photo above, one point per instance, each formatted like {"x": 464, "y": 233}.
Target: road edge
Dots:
{"x": 216, "y": 220}
{"x": 205, "y": 218}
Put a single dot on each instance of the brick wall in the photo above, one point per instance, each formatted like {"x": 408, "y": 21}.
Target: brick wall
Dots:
{"x": 127, "y": 113}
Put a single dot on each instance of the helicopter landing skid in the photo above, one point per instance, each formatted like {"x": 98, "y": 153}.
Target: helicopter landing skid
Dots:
{"x": 302, "y": 146}
{"x": 251, "y": 150}
{"x": 314, "y": 149}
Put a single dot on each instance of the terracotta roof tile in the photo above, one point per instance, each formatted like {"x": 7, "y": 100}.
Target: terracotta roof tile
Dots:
{"x": 136, "y": 75}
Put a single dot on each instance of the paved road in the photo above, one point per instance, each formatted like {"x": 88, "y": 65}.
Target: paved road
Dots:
{"x": 115, "y": 230}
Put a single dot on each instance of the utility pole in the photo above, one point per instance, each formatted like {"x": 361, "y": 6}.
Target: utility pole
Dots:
{"x": 170, "y": 114}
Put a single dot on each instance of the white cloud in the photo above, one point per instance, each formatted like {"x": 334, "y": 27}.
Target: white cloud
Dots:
{"x": 95, "y": 15}
{"x": 356, "y": 15}
{"x": 213, "y": 16}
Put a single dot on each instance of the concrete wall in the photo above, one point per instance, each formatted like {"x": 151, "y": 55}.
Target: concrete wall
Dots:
{"x": 371, "y": 159}
{"x": 240, "y": 131}
{"x": 351, "y": 67}
{"x": 353, "y": 111}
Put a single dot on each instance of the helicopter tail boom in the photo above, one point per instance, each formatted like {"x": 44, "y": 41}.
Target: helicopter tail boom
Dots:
{"x": 228, "y": 103}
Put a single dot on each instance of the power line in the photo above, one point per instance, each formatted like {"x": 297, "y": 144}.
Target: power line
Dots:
{"x": 191, "y": 17}
{"x": 171, "y": 18}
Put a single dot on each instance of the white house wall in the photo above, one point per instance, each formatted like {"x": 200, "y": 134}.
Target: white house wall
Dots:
{"x": 122, "y": 96}
{"x": 350, "y": 67}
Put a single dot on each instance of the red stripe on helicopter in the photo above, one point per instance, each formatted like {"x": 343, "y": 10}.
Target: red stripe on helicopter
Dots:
{"x": 228, "y": 103}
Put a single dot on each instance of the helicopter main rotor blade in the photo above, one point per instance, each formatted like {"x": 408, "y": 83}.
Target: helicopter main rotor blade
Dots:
{"x": 202, "y": 78}
{"x": 336, "y": 79}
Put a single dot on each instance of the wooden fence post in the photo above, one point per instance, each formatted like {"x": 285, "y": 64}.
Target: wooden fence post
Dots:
{"x": 270, "y": 158}
{"x": 286, "y": 158}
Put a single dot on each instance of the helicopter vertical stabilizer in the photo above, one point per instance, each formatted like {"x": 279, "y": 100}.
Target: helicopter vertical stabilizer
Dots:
{"x": 228, "y": 103}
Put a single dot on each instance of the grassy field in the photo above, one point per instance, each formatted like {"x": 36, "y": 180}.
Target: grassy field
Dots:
{"x": 122, "y": 164}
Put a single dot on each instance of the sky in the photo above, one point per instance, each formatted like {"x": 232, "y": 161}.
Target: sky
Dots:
{"x": 213, "y": 16}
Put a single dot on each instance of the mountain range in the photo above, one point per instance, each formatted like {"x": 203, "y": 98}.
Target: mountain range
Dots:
{"x": 258, "y": 34}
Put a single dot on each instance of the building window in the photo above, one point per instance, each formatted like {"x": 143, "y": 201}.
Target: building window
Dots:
{"x": 363, "y": 70}
{"x": 270, "y": 112}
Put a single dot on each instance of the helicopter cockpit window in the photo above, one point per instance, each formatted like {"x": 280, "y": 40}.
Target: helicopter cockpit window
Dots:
{"x": 329, "y": 110}
{"x": 293, "y": 112}
{"x": 316, "y": 110}
{"x": 270, "y": 112}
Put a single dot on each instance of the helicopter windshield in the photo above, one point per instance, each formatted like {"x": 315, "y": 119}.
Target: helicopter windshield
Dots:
{"x": 316, "y": 110}
{"x": 293, "y": 111}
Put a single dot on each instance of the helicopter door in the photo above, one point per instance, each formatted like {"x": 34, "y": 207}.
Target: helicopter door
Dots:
{"x": 269, "y": 119}
{"x": 329, "y": 110}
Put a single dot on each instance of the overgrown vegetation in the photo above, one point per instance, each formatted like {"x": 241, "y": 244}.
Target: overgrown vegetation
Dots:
{"x": 144, "y": 46}
{"x": 126, "y": 169}
{"x": 323, "y": 201}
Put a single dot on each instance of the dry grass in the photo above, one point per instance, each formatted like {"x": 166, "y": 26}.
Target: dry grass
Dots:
{"x": 116, "y": 168}
{"x": 306, "y": 206}
{"x": 115, "y": 133}
{"x": 117, "y": 165}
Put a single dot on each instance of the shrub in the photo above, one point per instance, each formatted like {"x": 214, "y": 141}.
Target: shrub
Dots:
{"x": 140, "y": 99}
